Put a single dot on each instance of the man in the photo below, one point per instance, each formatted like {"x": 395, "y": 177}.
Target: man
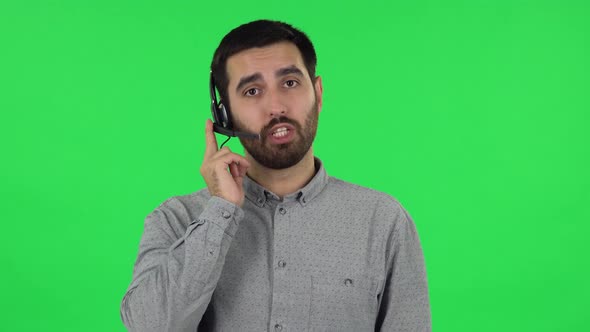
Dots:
{"x": 274, "y": 243}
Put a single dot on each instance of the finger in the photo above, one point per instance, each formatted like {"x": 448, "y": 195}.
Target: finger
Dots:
{"x": 210, "y": 140}
{"x": 237, "y": 175}
{"x": 234, "y": 169}
{"x": 239, "y": 181}
{"x": 230, "y": 157}
{"x": 224, "y": 150}
{"x": 243, "y": 170}
{"x": 238, "y": 170}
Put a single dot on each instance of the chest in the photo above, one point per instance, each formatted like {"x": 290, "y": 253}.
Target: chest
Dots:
{"x": 307, "y": 269}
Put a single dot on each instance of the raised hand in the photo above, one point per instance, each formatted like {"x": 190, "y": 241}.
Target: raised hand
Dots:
{"x": 214, "y": 169}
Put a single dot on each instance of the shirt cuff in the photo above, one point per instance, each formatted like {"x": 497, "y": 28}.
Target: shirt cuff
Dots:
{"x": 223, "y": 214}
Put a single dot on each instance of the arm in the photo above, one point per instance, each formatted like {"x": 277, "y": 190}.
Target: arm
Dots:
{"x": 179, "y": 265}
{"x": 405, "y": 303}
{"x": 175, "y": 276}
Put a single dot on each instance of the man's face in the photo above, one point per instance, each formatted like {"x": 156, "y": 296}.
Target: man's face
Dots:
{"x": 272, "y": 94}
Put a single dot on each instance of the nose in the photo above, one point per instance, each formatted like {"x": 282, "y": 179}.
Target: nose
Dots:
{"x": 275, "y": 105}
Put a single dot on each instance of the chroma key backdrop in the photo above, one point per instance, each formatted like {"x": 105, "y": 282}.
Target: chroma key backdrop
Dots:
{"x": 473, "y": 114}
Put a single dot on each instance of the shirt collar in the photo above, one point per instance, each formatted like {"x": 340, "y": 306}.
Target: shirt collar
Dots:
{"x": 260, "y": 195}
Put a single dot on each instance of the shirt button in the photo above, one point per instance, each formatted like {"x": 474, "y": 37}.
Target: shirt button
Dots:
{"x": 303, "y": 200}
{"x": 226, "y": 214}
{"x": 282, "y": 211}
{"x": 348, "y": 282}
{"x": 260, "y": 200}
{"x": 282, "y": 263}
{"x": 278, "y": 327}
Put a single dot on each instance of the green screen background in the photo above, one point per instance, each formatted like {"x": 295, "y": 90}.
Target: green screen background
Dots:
{"x": 473, "y": 114}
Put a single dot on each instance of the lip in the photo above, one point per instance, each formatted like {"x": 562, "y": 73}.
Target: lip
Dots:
{"x": 284, "y": 139}
{"x": 277, "y": 126}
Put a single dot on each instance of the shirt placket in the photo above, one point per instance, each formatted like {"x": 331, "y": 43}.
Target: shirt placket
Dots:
{"x": 280, "y": 296}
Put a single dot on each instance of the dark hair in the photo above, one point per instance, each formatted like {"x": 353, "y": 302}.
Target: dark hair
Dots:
{"x": 259, "y": 33}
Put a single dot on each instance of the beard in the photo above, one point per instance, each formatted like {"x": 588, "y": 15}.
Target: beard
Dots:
{"x": 280, "y": 156}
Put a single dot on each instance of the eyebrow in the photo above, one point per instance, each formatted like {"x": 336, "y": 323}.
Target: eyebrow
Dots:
{"x": 292, "y": 69}
{"x": 248, "y": 79}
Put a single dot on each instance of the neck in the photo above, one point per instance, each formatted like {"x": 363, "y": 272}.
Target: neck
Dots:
{"x": 283, "y": 181}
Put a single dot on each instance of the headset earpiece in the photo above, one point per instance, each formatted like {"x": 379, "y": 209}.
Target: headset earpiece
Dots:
{"x": 221, "y": 116}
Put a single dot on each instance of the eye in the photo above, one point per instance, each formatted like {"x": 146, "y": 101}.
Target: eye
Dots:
{"x": 291, "y": 83}
{"x": 251, "y": 92}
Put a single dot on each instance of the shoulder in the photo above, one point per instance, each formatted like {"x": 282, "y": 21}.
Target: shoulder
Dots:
{"x": 189, "y": 204}
{"x": 384, "y": 213}
{"x": 177, "y": 212}
{"x": 383, "y": 210}
{"x": 364, "y": 195}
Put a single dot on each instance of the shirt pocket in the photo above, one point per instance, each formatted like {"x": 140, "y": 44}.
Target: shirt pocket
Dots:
{"x": 343, "y": 303}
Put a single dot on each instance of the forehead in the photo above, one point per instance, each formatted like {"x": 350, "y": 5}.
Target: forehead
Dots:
{"x": 263, "y": 60}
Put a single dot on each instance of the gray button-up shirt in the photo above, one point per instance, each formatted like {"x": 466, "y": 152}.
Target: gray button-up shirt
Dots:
{"x": 331, "y": 256}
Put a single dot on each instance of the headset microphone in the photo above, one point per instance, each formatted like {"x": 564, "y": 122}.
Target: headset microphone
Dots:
{"x": 222, "y": 119}
{"x": 233, "y": 133}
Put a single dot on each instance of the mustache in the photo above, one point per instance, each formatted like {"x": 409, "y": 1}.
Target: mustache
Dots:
{"x": 283, "y": 119}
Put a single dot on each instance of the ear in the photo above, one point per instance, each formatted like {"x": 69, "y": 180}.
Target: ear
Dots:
{"x": 319, "y": 92}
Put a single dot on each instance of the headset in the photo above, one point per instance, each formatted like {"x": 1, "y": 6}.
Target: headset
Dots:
{"x": 222, "y": 118}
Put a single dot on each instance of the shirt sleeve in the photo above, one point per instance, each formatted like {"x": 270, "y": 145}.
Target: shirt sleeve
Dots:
{"x": 174, "y": 276}
{"x": 405, "y": 304}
